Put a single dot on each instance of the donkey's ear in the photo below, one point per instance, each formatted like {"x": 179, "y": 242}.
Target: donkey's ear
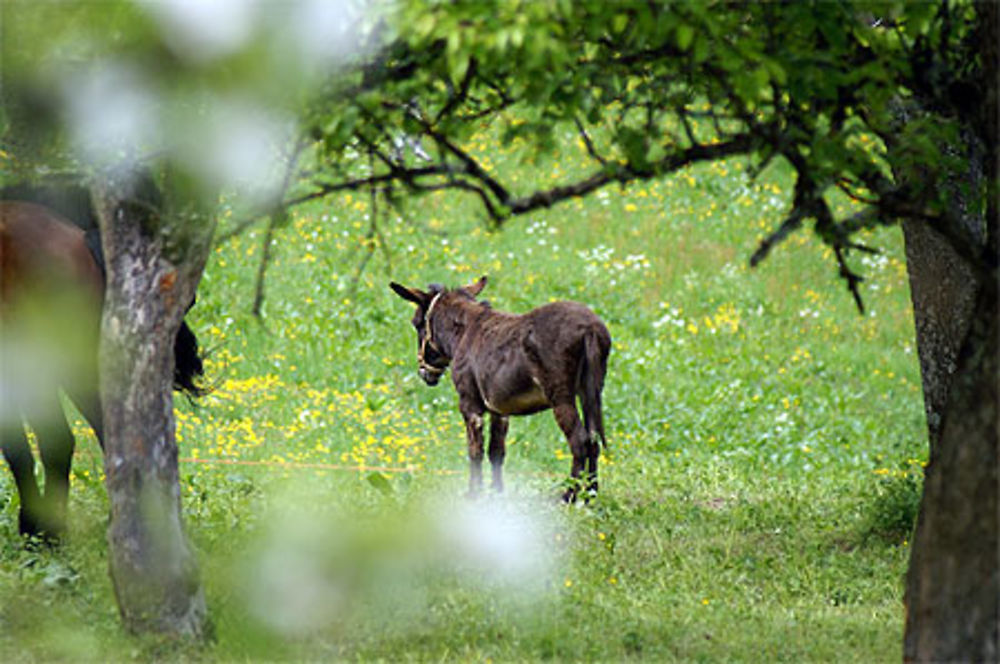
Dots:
{"x": 414, "y": 295}
{"x": 476, "y": 288}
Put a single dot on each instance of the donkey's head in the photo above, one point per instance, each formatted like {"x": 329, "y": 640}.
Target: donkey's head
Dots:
{"x": 434, "y": 324}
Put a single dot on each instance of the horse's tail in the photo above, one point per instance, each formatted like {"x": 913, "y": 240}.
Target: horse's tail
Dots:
{"x": 596, "y": 345}
{"x": 188, "y": 366}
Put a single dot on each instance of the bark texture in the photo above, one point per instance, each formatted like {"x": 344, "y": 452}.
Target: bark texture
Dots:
{"x": 943, "y": 290}
{"x": 153, "y": 567}
{"x": 952, "y": 586}
{"x": 953, "y": 590}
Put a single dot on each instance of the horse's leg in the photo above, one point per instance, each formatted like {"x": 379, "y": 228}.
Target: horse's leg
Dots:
{"x": 498, "y": 448}
{"x": 16, "y": 451}
{"x": 569, "y": 421}
{"x": 55, "y": 444}
{"x": 473, "y": 414}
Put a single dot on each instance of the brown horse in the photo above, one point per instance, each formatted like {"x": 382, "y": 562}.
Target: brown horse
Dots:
{"x": 507, "y": 364}
{"x": 51, "y": 293}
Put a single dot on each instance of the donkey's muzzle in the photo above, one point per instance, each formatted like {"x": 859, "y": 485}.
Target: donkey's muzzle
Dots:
{"x": 430, "y": 375}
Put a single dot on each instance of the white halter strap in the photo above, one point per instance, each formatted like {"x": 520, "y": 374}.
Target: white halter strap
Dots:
{"x": 427, "y": 340}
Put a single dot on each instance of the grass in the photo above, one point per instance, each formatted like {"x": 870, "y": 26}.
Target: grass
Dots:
{"x": 758, "y": 492}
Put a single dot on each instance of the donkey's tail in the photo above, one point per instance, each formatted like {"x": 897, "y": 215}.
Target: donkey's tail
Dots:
{"x": 596, "y": 344}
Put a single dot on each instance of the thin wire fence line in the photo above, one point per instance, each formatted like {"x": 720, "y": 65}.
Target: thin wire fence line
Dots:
{"x": 334, "y": 467}
{"x": 300, "y": 465}
{"x": 316, "y": 466}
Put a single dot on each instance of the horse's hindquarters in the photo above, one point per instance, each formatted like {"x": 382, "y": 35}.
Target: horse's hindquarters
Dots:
{"x": 49, "y": 309}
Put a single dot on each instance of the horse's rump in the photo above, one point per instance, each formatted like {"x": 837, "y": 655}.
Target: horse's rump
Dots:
{"x": 51, "y": 301}
{"x": 39, "y": 247}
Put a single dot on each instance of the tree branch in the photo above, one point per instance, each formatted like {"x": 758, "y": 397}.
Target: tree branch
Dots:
{"x": 853, "y": 279}
{"x": 265, "y": 258}
{"x": 623, "y": 174}
{"x": 791, "y": 224}
{"x": 472, "y": 167}
{"x": 361, "y": 183}
{"x": 588, "y": 143}
{"x": 461, "y": 95}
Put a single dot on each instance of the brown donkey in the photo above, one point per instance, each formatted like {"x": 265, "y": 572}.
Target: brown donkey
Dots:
{"x": 508, "y": 364}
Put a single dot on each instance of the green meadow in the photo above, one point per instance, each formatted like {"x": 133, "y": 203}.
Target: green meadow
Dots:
{"x": 758, "y": 490}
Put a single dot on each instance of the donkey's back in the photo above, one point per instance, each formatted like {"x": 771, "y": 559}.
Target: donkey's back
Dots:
{"x": 529, "y": 362}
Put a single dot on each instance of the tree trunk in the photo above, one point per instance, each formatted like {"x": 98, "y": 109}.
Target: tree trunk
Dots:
{"x": 153, "y": 568}
{"x": 943, "y": 290}
{"x": 952, "y": 585}
{"x": 953, "y": 588}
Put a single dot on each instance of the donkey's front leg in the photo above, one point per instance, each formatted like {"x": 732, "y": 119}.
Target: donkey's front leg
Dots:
{"x": 473, "y": 414}
{"x": 498, "y": 448}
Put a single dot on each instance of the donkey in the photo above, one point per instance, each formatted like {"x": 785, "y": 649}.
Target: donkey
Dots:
{"x": 508, "y": 364}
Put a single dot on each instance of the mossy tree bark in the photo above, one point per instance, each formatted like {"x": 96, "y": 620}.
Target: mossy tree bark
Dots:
{"x": 151, "y": 280}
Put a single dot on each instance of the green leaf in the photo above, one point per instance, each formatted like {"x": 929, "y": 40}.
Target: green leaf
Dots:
{"x": 655, "y": 153}
{"x": 517, "y": 36}
{"x": 633, "y": 144}
{"x": 458, "y": 66}
{"x": 381, "y": 483}
{"x": 454, "y": 41}
{"x": 685, "y": 35}
{"x": 776, "y": 71}
{"x": 702, "y": 48}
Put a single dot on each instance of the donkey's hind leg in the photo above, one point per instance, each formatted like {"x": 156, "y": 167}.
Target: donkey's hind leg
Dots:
{"x": 593, "y": 454}
{"x": 22, "y": 464}
{"x": 498, "y": 448}
{"x": 569, "y": 421}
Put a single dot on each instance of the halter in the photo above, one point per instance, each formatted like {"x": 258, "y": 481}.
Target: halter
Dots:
{"x": 426, "y": 340}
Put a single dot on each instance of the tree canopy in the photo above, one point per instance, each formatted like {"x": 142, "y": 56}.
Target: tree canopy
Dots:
{"x": 865, "y": 98}
{"x": 868, "y": 98}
